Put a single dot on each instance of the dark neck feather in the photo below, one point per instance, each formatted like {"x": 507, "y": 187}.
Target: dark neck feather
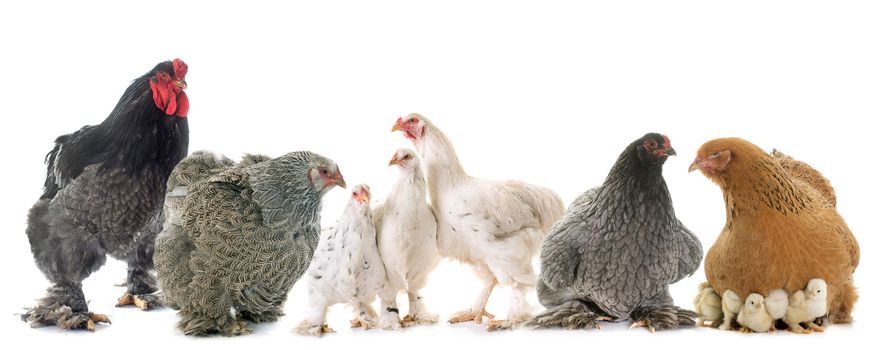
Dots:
{"x": 138, "y": 134}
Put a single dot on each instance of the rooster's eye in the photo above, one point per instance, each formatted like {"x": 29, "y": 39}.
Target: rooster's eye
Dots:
{"x": 412, "y": 120}
{"x": 407, "y": 156}
{"x": 324, "y": 171}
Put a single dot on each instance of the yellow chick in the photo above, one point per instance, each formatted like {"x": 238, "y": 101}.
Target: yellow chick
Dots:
{"x": 708, "y": 305}
{"x": 807, "y": 305}
{"x": 753, "y": 316}
{"x": 731, "y": 306}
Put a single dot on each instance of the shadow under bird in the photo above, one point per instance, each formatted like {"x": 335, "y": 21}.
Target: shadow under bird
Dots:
{"x": 104, "y": 194}
{"x": 618, "y": 248}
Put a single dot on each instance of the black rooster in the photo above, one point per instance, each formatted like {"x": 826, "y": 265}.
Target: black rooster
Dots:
{"x": 104, "y": 194}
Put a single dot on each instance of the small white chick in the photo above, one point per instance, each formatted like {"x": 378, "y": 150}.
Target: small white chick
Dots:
{"x": 753, "y": 315}
{"x": 776, "y": 304}
{"x": 346, "y": 268}
{"x": 708, "y": 305}
{"x": 731, "y": 306}
{"x": 806, "y": 306}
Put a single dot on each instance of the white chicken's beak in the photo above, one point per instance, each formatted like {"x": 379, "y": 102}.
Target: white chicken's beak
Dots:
{"x": 398, "y": 125}
{"x": 394, "y": 160}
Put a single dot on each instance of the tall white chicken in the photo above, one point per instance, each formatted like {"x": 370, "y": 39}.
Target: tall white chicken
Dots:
{"x": 407, "y": 240}
{"x": 346, "y": 268}
{"x": 496, "y": 227}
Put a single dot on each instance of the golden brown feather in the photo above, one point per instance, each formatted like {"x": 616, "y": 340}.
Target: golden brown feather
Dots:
{"x": 782, "y": 227}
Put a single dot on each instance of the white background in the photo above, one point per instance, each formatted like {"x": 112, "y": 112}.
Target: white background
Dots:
{"x": 546, "y": 92}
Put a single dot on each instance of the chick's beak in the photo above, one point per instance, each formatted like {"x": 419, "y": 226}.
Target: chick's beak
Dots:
{"x": 696, "y": 165}
{"x": 181, "y": 84}
{"x": 398, "y": 125}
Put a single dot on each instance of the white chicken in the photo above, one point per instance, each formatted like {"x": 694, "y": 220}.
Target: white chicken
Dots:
{"x": 708, "y": 305}
{"x": 807, "y": 305}
{"x": 754, "y": 316}
{"x": 406, "y": 235}
{"x": 731, "y": 306}
{"x": 497, "y": 227}
{"x": 346, "y": 268}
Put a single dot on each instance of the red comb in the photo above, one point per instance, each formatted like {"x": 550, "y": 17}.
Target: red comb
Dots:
{"x": 179, "y": 69}
{"x": 666, "y": 140}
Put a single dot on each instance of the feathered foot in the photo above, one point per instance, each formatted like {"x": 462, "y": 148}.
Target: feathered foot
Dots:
{"x": 745, "y": 330}
{"x": 202, "y": 326}
{"x": 65, "y": 318}
{"x": 307, "y": 328}
{"x": 65, "y": 307}
{"x": 424, "y": 318}
{"x": 363, "y": 323}
{"x": 389, "y": 320}
{"x": 662, "y": 317}
{"x": 570, "y": 315}
{"x": 470, "y": 315}
{"x": 144, "y": 302}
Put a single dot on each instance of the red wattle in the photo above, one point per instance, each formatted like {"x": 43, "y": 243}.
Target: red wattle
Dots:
{"x": 165, "y": 99}
{"x": 182, "y": 110}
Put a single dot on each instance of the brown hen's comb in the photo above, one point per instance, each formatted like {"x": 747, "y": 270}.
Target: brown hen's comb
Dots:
{"x": 179, "y": 69}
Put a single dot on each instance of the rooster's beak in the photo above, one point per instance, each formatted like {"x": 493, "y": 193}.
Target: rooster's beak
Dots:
{"x": 397, "y": 126}
{"x": 181, "y": 84}
{"x": 696, "y": 165}
{"x": 670, "y": 151}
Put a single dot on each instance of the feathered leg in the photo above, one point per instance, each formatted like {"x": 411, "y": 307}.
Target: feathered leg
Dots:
{"x": 659, "y": 313}
{"x": 315, "y": 321}
{"x": 208, "y": 310}
{"x": 566, "y": 311}
{"x": 842, "y": 313}
{"x": 140, "y": 283}
{"x": 519, "y": 309}
{"x": 66, "y": 254}
{"x": 389, "y": 309}
{"x": 365, "y": 316}
{"x": 417, "y": 313}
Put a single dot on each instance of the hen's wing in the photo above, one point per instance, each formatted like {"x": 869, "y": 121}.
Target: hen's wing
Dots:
{"x": 808, "y": 174}
{"x": 689, "y": 251}
{"x": 560, "y": 256}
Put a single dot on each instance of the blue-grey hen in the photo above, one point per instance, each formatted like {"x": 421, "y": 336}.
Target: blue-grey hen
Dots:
{"x": 254, "y": 229}
{"x": 615, "y": 253}
{"x": 173, "y": 244}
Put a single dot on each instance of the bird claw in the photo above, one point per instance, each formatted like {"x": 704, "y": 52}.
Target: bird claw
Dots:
{"x": 643, "y": 324}
{"x": 470, "y": 315}
{"x": 362, "y": 323}
{"x": 313, "y": 330}
{"x": 499, "y": 325}
{"x": 144, "y": 302}
{"x": 93, "y": 319}
{"x": 815, "y": 327}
